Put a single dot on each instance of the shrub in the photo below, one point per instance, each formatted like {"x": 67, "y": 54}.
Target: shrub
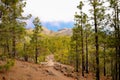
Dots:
{"x": 9, "y": 63}
{"x": 3, "y": 57}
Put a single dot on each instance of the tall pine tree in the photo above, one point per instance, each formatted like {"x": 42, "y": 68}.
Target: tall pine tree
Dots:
{"x": 36, "y": 37}
{"x": 98, "y": 12}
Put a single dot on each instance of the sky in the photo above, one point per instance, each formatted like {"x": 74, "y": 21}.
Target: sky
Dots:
{"x": 54, "y": 14}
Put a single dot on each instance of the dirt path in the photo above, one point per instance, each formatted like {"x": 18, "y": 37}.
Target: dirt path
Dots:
{"x": 50, "y": 60}
{"x": 50, "y": 63}
{"x": 59, "y": 74}
{"x": 30, "y": 71}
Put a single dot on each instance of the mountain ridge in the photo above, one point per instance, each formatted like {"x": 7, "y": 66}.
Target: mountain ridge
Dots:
{"x": 60, "y": 32}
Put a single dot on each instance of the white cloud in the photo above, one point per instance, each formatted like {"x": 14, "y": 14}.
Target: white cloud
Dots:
{"x": 52, "y": 10}
{"x": 55, "y": 24}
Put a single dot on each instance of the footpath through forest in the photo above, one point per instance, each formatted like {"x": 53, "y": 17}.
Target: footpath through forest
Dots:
{"x": 30, "y": 71}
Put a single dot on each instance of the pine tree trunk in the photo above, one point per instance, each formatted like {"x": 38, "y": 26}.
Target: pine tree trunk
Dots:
{"x": 86, "y": 53}
{"x": 119, "y": 53}
{"x": 119, "y": 63}
{"x": 25, "y": 54}
{"x": 82, "y": 44}
{"x": 8, "y": 49}
{"x": 104, "y": 61}
{"x": 83, "y": 66}
{"x": 14, "y": 35}
{"x": 111, "y": 66}
{"x": 116, "y": 47}
{"x": 13, "y": 43}
{"x": 116, "y": 59}
{"x": 118, "y": 31}
{"x": 36, "y": 52}
{"x": 77, "y": 59}
{"x": 77, "y": 62}
{"x": 97, "y": 45}
{"x": 0, "y": 14}
{"x": 97, "y": 56}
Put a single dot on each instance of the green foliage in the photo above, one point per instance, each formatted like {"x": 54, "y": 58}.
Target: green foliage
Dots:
{"x": 36, "y": 36}
{"x": 14, "y": 38}
{"x": 3, "y": 57}
{"x": 9, "y": 64}
{"x": 5, "y": 67}
{"x": 11, "y": 27}
{"x": 59, "y": 46}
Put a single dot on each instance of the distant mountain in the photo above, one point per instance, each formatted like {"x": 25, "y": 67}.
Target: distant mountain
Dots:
{"x": 47, "y": 32}
{"x": 44, "y": 31}
{"x": 61, "y": 32}
{"x": 64, "y": 32}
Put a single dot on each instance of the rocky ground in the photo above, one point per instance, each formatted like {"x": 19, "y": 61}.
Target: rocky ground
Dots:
{"x": 45, "y": 71}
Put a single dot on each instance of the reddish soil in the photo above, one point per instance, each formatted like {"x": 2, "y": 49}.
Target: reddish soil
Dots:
{"x": 30, "y": 71}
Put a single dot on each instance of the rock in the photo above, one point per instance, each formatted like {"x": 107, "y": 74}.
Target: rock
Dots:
{"x": 49, "y": 72}
{"x": 3, "y": 78}
{"x": 65, "y": 69}
{"x": 40, "y": 66}
{"x": 28, "y": 75}
{"x": 57, "y": 66}
{"x": 65, "y": 73}
{"x": 43, "y": 63}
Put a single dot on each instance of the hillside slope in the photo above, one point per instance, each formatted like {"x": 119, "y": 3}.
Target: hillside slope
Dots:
{"x": 64, "y": 32}
{"x": 61, "y": 32}
{"x": 29, "y": 71}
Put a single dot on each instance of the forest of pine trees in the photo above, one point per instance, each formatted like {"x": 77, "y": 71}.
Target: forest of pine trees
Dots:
{"x": 94, "y": 45}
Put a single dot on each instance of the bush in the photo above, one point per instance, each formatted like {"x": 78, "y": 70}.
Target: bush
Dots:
{"x": 3, "y": 57}
{"x": 9, "y": 63}
{"x": 1, "y": 68}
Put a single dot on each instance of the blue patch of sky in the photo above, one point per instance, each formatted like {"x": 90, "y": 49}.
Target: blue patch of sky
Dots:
{"x": 54, "y": 26}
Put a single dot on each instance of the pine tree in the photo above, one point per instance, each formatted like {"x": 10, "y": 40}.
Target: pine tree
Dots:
{"x": 12, "y": 27}
{"x": 114, "y": 4}
{"x": 87, "y": 35}
{"x": 81, "y": 20}
{"x": 75, "y": 48}
{"x": 36, "y": 36}
{"x": 98, "y": 12}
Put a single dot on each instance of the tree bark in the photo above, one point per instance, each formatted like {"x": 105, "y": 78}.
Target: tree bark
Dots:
{"x": 77, "y": 62}
{"x": 0, "y": 14}
{"x": 36, "y": 51}
{"x": 82, "y": 44}
{"x": 118, "y": 42}
{"x": 77, "y": 56}
{"x": 25, "y": 54}
{"x": 96, "y": 44}
{"x": 86, "y": 52}
{"x": 8, "y": 49}
{"x": 83, "y": 66}
{"x": 13, "y": 44}
{"x": 104, "y": 60}
{"x": 116, "y": 59}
